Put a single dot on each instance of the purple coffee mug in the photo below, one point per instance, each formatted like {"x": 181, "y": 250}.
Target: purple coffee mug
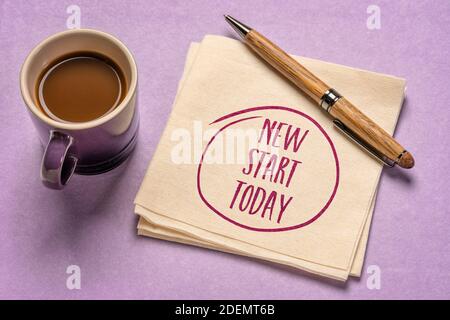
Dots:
{"x": 90, "y": 147}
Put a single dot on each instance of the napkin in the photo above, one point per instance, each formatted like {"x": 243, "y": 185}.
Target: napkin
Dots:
{"x": 310, "y": 203}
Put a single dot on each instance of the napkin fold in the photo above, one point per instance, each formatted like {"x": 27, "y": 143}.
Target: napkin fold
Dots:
{"x": 311, "y": 204}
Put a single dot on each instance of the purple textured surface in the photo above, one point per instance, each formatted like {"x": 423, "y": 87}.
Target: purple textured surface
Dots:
{"x": 91, "y": 223}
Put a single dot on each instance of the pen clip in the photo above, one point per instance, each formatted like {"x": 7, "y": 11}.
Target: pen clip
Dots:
{"x": 353, "y": 136}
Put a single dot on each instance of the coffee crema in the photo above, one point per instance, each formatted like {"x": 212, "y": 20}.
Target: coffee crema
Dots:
{"x": 80, "y": 87}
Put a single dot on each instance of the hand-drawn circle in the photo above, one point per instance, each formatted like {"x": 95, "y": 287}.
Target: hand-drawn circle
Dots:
{"x": 240, "y": 112}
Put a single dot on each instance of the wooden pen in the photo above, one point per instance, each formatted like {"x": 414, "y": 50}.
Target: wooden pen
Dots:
{"x": 346, "y": 116}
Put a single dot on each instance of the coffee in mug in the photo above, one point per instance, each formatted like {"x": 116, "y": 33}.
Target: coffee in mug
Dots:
{"x": 80, "y": 87}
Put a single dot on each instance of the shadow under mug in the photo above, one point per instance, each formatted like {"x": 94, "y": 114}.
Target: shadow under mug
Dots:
{"x": 91, "y": 147}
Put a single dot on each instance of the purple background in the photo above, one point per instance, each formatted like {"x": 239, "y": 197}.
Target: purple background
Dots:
{"x": 91, "y": 223}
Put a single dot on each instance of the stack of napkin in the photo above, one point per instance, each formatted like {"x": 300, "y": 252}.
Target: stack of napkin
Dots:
{"x": 249, "y": 165}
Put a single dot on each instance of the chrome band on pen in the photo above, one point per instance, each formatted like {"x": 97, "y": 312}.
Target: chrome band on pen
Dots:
{"x": 329, "y": 98}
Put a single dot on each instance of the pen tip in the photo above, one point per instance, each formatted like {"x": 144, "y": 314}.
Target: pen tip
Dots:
{"x": 238, "y": 26}
{"x": 406, "y": 160}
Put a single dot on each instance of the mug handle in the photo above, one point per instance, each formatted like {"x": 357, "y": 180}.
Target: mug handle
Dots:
{"x": 58, "y": 164}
